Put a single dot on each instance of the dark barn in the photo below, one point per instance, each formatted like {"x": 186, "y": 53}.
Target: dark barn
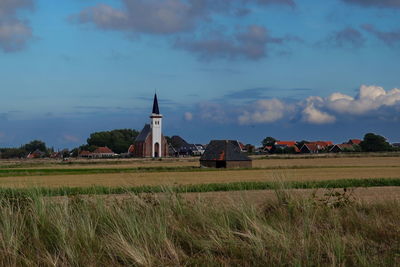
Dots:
{"x": 224, "y": 154}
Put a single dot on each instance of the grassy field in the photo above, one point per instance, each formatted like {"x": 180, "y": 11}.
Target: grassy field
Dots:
{"x": 376, "y": 159}
{"x": 198, "y": 177}
{"x": 128, "y": 173}
{"x": 173, "y": 213}
{"x": 171, "y": 231}
{"x": 198, "y": 188}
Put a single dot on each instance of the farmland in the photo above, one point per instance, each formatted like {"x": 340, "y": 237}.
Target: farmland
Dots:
{"x": 172, "y": 172}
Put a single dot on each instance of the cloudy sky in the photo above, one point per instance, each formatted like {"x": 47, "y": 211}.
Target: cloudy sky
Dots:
{"x": 240, "y": 69}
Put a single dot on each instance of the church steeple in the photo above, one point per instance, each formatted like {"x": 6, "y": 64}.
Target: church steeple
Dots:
{"x": 156, "y": 110}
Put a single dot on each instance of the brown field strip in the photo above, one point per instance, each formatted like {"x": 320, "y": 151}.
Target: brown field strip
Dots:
{"x": 174, "y": 178}
{"x": 259, "y": 197}
{"x": 193, "y": 162}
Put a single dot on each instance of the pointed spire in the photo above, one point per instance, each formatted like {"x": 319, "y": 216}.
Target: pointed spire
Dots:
{"x": 156, "y": 110}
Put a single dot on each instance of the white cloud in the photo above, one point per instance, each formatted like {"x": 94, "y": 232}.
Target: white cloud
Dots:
{"x": 14, "y": 32}
{"x": 369, "y": 98}
{"x": 312, "y": 115}
{"x": 314, "y": 109}
{"x": 188, "y": 116}
{"x": 263, "y": 111}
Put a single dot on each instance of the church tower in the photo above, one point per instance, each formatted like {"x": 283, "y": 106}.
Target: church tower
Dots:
{"x": 156, "y": 130}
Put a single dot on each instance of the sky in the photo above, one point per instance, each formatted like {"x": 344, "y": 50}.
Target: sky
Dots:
{"x": 222, "y": 69}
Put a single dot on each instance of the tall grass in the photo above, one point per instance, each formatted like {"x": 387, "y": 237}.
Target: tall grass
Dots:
{"x": 148, "y": 231}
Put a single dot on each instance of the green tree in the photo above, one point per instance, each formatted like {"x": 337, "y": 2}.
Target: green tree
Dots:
{"x": 268, "y": 141}
{"x": 250, "y": 148}
{"x": 117, "y": 140}
{"x": 374, "y": 143}
{"x": 35, "y": 145}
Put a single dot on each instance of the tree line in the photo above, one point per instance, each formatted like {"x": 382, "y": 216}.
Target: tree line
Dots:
{"x": 117, "y": 140}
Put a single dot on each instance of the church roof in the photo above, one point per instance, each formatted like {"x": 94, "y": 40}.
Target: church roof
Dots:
{"x": 227, "y": 150}
{"x": 144, "y": 133}
{"x": 156, "y": 110}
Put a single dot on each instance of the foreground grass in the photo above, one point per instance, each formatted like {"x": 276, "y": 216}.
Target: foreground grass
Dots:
{"x": 197, "y": 188}
{"x": 147, "y": 231}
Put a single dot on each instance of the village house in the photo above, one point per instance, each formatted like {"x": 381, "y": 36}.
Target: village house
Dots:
{"x": 103, "y": 152}
{"x": 354, "y": 141}
{"x": 310, "y": 148}
{"x": 85, "y": 154}
{"x": 35, "y": 154}
{"x": 224, "y": 154}
{"x": 131, "y": 151}
{"x": 183, "y": 148}
{"x": 281, "y": 145}
{"x": 316, "y": 147}
{"x": 342, "y": 148}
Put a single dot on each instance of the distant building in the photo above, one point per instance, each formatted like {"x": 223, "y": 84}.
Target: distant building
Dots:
{"x": 182, "y": 148}
{"x": 35, "y": 154}
{"x": 131, "y": 150}
{"x": 309, "y": 149}
{"x": 342, "y": 148}
{"x": 267, "y": 149}
{"x": 224, "y": 154}
{"x": 281, "y": 145}
{"x": 103, "y": 152}
{"x": 200, "y": 149}
{"x": 151, "y": 142}
{"x": 85, "y": 154}
{"x": 397, "y": 145}
{"x": 354, "y": 141}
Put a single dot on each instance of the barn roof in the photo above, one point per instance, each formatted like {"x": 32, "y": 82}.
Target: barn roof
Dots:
{"x": 226, "y": 150}
{"x": 144, "y": 133}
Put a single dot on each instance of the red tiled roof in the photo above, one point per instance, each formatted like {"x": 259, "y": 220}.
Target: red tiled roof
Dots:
{"x": 285, "y": 143}
{"x": 355, "y": 141}
{"x": 103, "y": 150}
{"x": 267, "y": 148}
{"x": 312, "y": 147}
{"x": 322, "y": 143}
{"x": 85, "y": 153}
{"x": 242, "y": 147}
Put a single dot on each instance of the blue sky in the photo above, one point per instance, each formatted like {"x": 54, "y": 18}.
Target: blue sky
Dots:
{"x": 241, "y": 69}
